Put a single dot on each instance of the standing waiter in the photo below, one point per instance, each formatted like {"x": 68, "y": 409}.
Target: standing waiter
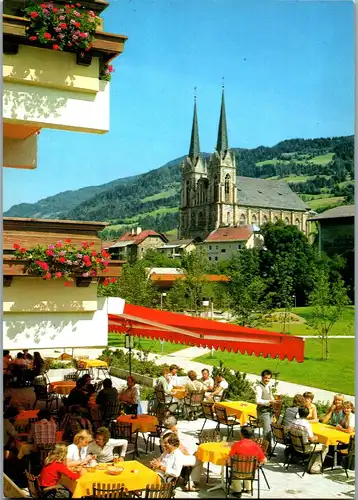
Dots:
{"x": 264, "y": 401}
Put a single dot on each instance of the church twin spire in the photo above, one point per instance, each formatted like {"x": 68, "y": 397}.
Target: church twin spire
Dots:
{"x": 222, "y": 144}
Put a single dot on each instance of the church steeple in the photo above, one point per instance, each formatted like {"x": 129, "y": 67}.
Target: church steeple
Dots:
{"x": 222, "y": 143}
{"x": 194, "y": 149}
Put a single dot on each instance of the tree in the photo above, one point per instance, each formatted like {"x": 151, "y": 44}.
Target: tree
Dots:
{"x": 283, "y": 284}
{"x": 154, "y": 258}
{"x": 328, "y": 299}
{"x": 134, "y": 285}
{"x": 248, "y": 291}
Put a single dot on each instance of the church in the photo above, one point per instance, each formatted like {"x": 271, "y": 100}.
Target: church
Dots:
{"x": 212, "y": 195}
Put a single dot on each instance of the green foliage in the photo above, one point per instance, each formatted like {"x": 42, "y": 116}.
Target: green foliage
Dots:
{"x": 133, "y": 285}
{"x": 240, "y": 389}
{"x": 153, "y": 258}
{"x": 321, "y": 406}
{"x": 328, "y": 298}
{"x": 61, "y": 364}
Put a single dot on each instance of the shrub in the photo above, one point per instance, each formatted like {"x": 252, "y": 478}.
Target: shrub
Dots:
{"x": 55, "y": 364}
{"x": 240, "y": 389}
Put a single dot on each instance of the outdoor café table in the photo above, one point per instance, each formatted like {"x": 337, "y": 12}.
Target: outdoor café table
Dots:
{"x": 62, "y": 387}
{"x": 25, "y": 415}
{"x": 24, "y": 448}
{"x": 89, "y": 364}
{"x": 143, "y": 423}
{"x": 178, "y": 392}
{"x": 217, "y": 454}
{"x": 329, "y": 435}
{"x": 135, "y": 476}
{"x": 240, "y": 409}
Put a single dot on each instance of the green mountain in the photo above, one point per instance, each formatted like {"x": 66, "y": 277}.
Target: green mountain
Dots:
{"x": 320, "y": 170}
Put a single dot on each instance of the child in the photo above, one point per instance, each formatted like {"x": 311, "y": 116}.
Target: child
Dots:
{"x": 312, "y": 416}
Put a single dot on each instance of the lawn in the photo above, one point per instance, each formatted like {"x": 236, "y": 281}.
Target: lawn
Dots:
{"x": 319, "y": 203}
{"x": 345, "y": 326}
{"x": 322, "y": 159}
{"x": 154, "y": 346}
{"x": 336, "y": 374}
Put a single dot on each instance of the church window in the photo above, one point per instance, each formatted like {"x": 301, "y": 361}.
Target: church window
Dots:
{"x": 227, "y": 188}
{"x": 228, "y": 217}
{"x": 253, "y": 219}
{"x": 265, "y": 219}
{"x": 287, "y": 221}
{"x": 216, "y": 188}
{"x": 242, "y": 219}
{"x": 187, "y": 194}
{"x": 298, "y": 223}
{"x": 201, "y": 220}
{"x": 275, "y": 219}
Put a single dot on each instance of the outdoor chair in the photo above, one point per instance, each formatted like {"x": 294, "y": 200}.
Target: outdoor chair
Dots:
{"x": 70, "y": 376}
{"x": 208, "y": 411}
{"x": 164, "y": 490}
{"x": 264, "y": 444}
{"x": 224, "y": 419}
{"x": 347, "y": 455}
{"x": 220, "y": 397}
{"x": 110, "y": 412}
{"x": 110, "y": 491}
{"x": 209, "y": 436}
{"x": 277, "y": 407}
{"x": 152, "y": 436}
{"x": 192, "y": 404}
{"x": 242, "y": 469}
{"x": 42, "y": 395}
{"x": 98, "y": 385}
{"x": 280, "y": 437}
{"x": 123, "y": 430}
{"x": 152, "y": 407}
{"x": 304, "y": 451}
{"x": 35, "y": 489}
{"x": 165, "y": 402}
{"x": 255, "y": 423}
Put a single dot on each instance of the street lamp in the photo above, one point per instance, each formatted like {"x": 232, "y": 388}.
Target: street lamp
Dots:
{"x": 294, "y": 298}
{"x": 163, "y": 294}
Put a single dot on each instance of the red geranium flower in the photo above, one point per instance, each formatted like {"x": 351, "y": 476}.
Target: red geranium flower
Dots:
{"x": 55, "y": 46}
{"x": 91, "y": 13}
{"x": 68, "y": 240}
{"x": 94, "y": 254}
{"x": 22, "y": 250}
{"x": 49, "y": 252}
{"x": 59, "y": 244}
{"x": 110, "y": 68}
{"x": 77, "y": 24}
{"x": 54, "y": 10}
{"x": 63, "y": 25}
{"x": 33, "y": 15}
{"x": 48, "y": 276}
{"x": 32, "y": 38}
{"x": 47, "y": 35}
{"x": 113, "y": 280}
{"x": 16, "y": 246}
{"x": 58, "y": 274}
{"x": 43, "y": 5}
{"x": 78, "y": 5}
{"x": 83, "y": 35}
{"x": 62, "y": 260}
{"x": 106, "y": 281}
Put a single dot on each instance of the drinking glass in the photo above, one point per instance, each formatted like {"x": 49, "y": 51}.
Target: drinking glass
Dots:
{"x": 115, "y": 458}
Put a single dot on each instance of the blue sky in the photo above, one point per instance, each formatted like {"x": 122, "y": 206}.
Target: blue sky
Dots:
{"x": 288, "y": 68}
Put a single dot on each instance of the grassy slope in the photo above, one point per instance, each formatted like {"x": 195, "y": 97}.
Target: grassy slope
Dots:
{"x": 319, "y": 203}
{"x": 336, "y": 374}
{"x": 162, "y": 195}
{"x": 117, "y": 340}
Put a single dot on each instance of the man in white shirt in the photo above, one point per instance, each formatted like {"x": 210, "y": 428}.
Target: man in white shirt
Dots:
{"x": 264, "y": 401}
{"x": 170, "y": 463}
{"x": 173, "y": 369}
{"x": 220, "y": 386}
{"x": 206, "y": 380}
{"x": 102, "y": 446}
{"x": 303, "y": 427}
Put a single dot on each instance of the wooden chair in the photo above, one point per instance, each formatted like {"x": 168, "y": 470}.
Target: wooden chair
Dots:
{"x": 110, "y": 491}
{"x": 277, "y": 407}
{"x": 34, "y": 487}
{"x": 70, "y": 376}
{"x": 224, "y": 419}
{"x": 164, "y": 490}
{"x": 279, "y": 436}
{"x": 209, "y": 414}
{"x": 303, "y": 450}
{"x": 123, "y": 430}
{"x": 11, "y": 490}
{"x": 192, "y": 404}
{"x": 165, "y": 401}
{"x": 264, "y": 444}
{"x": 110, "y": 412}
{"x": 347, "y": 454}
{"x": 220, "y": 397}
{"x": 242, "y": 469}
{"x": 152, "y": 436}
{"x": 209, "y": 436}
{"x": 255, "y": 423}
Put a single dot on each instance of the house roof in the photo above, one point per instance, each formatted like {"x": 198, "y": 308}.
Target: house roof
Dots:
{"x": 267, "y": 194}
{"x": 239, "y": 233}
{"x": 139, "y": 238}
{"x": 336, "y": 213}
{"x": 178, "y": 243}
{"x": 165, "y": 270}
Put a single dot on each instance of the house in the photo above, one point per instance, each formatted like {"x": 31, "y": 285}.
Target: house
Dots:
{"x": 223, "y": 243}
{"x": 164, "y": 277}
{"x": 176, "y": 248}
{"x": 46, "y": 87}
{"x": 133, "y": 244}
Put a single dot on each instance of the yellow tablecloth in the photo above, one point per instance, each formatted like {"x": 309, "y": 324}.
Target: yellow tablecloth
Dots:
{"x": 178, "y": 392}
{"x": 143, "y": 423}
{"x": 329, "y": 435}
{"x": 62, "y": 386}
{"x": 240, "y": 409}
{"x": 93, "y": 363}
{"x": 132, "y": 480}
{"x": 24, "y": 448}
{"x": 215, "y": 453}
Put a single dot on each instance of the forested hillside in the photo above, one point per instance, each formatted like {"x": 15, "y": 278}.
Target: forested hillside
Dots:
{"x": 321, "y": 171}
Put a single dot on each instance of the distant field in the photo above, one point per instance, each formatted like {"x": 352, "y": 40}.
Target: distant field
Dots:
{"x": 316, "y": 160}
{"x": 345, "y": 184}
{"x": 319, "y": 203}
{"x": 322, "y": 159}
{"x": 159, "y": 196}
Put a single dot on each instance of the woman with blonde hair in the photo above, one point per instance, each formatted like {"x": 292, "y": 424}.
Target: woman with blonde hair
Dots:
{"x": 77, "y": 452}
{"x": 53, "y": 469}
{"x": 347, "y": 424}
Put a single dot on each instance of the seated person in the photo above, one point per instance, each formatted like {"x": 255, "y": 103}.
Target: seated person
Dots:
{"x": 219, "y": 387}
{"x": 193, "y": 384}
{"x": 335, "y": 413}
{"x": 77, "y": 452}
{"x": 173, "y": 377}
{"x": 246, "y": 447}
{"x": 303, "y": 427}
{"x": 27, "y": 355}
{"x": 10, "y": 433}
{"x": 108, "y": 394}
{"x": 44, "y": 430}
{"x": 52, "y": 471}
{"x": 88, "y": 387}
{"x": 163, "y": 381}
{"x": 347, "y": 424}
{"x": 188, "y": 447}
{"x": 6, "y": 362}
{"x": 74, "y": 422}
{"x": 20, "y": 359}
{"x": 39, "y": 365}
{"x": 78, "y": 396}
{"x": 102, "y": 446}
{"x": 312, "y": 416}
{"x": 206, "y": 380}
{"x": 170, "y": 463}
{"x": 129, "y": 396}
{"x": 291, "y": 413}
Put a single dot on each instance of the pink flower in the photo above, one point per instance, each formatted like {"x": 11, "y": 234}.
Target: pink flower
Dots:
{"x": 91, "y": 13}
{"x": 32, "y": 38}
{"x": 58, "y": 274}
{"x": 50, "y": 252}
{"x": 69, "y": 262}
{"x": 62, "y": 253}
{"x": 51, "y": 247}
{"x": 48, "y": 276}
{"x": 83, "y": 35}
{"x": 77, "y": 14}
{"x": 93, "y": 273}
{"x": 62, "y": 18}
{"x": 85, "y": 275}
{"x": 58, "y": 30}
{"x": 105, "y": 262}
{"x": 79, "y": 256}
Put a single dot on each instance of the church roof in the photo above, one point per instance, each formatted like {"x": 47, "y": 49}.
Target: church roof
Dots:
{"x": 222, "y": 144}
{"x": 267, "y": 194}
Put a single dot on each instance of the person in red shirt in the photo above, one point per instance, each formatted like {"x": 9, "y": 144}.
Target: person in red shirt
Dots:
{"x": 53, "y": 469}
{"x": 246, "y": 447}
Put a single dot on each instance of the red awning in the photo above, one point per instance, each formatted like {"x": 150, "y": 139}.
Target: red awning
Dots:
{"x": 179, "y": 328}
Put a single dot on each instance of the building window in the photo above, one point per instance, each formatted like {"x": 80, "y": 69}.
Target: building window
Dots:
{"x": 209, "y": 247}
{"x": 209, "y": 258}
{"x": 228, "y": 218}
{"x": 216, "y": 258}
{"x": 242, "y": 219}
{"x": 298, "y": 223}
{"x": 275, "y": 219}
{"x": 253, "y": 219}
{"x": 239, "y": 246}
{"x": 223, "y": 250}
{"x": 217, "y": 247}
{"x": 287, "y": 221}
{"x": 265, "y": 219}
{"x": 227, "y": 188}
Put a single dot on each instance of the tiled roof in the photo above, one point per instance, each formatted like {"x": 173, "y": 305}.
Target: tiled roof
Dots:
{"x": 265, "y": 193}
{"x": 178, "y": 243}
{"x": 138, "y": 238}
{"x": 336, "y": 213}
{"x": 173, "y": 277}
{"x": 240, "y": 233}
